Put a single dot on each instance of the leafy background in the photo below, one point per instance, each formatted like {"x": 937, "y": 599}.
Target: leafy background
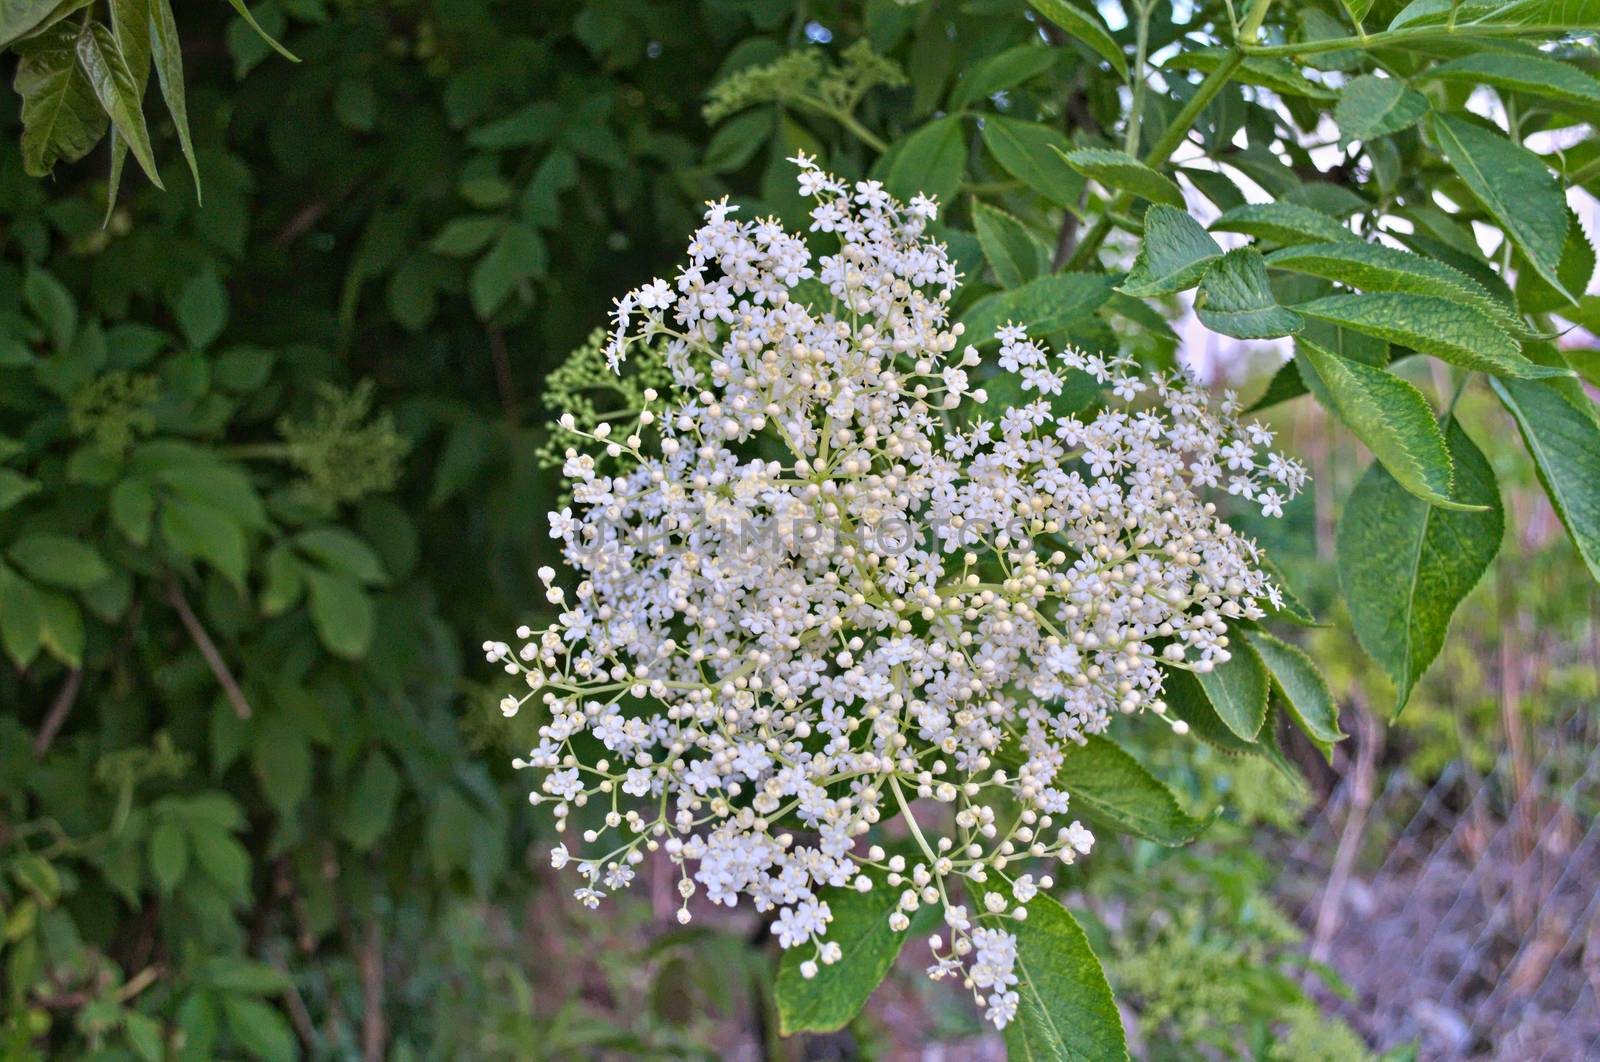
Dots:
{"x": 273, "y": 462}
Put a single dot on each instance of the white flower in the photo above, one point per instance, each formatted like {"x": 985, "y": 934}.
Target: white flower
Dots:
{"x": 778, "y": 623}
{"x": 559, "y": 856}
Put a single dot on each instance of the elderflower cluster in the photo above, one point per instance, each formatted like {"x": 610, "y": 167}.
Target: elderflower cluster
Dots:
{"x": 815, "y": 590}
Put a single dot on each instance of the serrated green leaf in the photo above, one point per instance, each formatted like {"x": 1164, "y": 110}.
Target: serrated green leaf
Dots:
{"x": 1534, "y": 295}
{"x": 1110, "y": 787}
{"x": 1048, "y": 304}
{"x": 1371, "y": 106}
{"x": 1236, "y": 300}
{"x": 1032, "y": 153}
{"x": 228, "y": 973}
{"x": 1405, "y": 565}
{"x": 1515, "y": 186}
{"x": 58, "y": 560}
{"x": 1174, "y": 255}
{"x": 341, "y": 611}
{"x": 999, "y": 72}
{"x": 1285, "y": 223}
{"x": 466, "y": 236}
{"x": 1086, "y": 25}
{"x": 1558, "y": 425}
{"x": 1376, "y": 267}
{"x": 1237, "y": 689}
{"x": 1187, "y": 700}
{"x": 517, "y": 255}
{"x": 737, "y": 140}
{"x": 1520, "y": 72}
{"x": 1301, "y": 689}
{"x": 1450, "y": 331}
{"x": 1010, "y": 249}
{"x": 1121, "y": 172}
{"x": 1065, "y": 1010}
{"x": 860, "y": 926}
{"x": 222, "y": 859}
{"x": 1387, "y": 414}
{"x": 119, "y": 91}
{"x": 1552, "y": 15}
{"x": 1279, "y": 75}
{"x": 930, "y": 161}
{"x": 167, "y": 51}
{"x": 61, "y": 118}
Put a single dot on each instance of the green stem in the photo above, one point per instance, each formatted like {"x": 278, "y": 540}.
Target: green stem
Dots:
{"x": 848, "y": 120}
{"x": 1136, "y": 110}
{"x": 1159, "y": 153}
{"x": 1399, "y": 37}
{"x": 1253, "y": 20}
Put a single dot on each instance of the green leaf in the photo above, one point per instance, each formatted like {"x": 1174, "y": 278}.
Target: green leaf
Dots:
{"x": 1285, "y": 223}
{"x": 930, "y": 161}
{"x": 1460, "y": 334}
{"x": 228, "y": 973}
{"x": 1551, "y": 15}
{"x": 1301, "y": 688}
{"x": 1376, "y": 267}
{"x": 53, "y": 305}
{"x": 14, "y": 487}
{"x": 518, "y": 254}
{"x": 1032, "y": 153}
{"x": 260, "y": 1029}
{"x": 1011, "y": 250}
{"x": 18, "y": 17}
{"x": 61, "y": 118}
{"x": 59, "y": 560}
{"x": 1559, "y": 428}
{"x": 1387, "y": 414}
{"x": 281, "y": 757}
{"x": 1086, "y": 25}
{"x": 1235, "y": 299}
{"x": 1187, "y": 700}
{"x": 223, "y": 860}
{"x": 169, "y": 856}
{"x": 1371, "y": 106}
{"x": 370, "y": 806}
{"x": 1405, "y": 565}
{"x": 201, "y": 309}
{"x": 1065, "y": 1010}
{"x": 1174, "y": 255}
{"x": 1237, "y": 689}
{"x": 1122, "y": 172}
{"x": 465, "y": 236}
{"x": 1515, "y": 186}
{"x": 737, "y": 140}
{"x": 999, "y": 72}
{"x": 244, "y": 13}
{"x": 21, "y": 626}
{"x": 1109, "y": 786}
{"x": 119, "y": 91}
{"x": 860, "y": 926}
{"x": 167, "y": 51}
{"x": 1279, "y": 75}
{"x": 342, "y": 613}
{"x": 341, "y": 551}
{"x": 1575, "y": 271}
{"x": 1048, "y": 304}
{"x": 61, "y": 627}
{"x": 1521, "y": 72}
{"x": 285, "y": 581}
{"x": 198, "y": 531}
